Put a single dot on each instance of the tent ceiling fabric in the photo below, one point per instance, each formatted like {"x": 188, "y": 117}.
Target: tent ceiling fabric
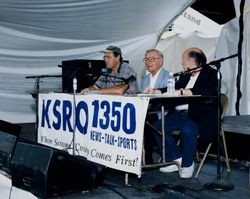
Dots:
{"x": 36, "y": 35}
{"x": 190, "y": 29}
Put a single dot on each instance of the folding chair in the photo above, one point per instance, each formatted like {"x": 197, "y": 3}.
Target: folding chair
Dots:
{"x": 224, "y": 104}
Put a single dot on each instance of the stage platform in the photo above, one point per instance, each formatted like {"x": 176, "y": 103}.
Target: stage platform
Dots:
{"x": 152, "y": 184}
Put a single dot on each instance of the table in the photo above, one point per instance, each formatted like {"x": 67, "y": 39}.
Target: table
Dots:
{"x": 176, "y": 100}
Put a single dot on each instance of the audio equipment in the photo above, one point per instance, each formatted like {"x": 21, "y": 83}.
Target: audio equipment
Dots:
{"x": 7, "y": 145}
{"x": 79, "y": 68}
{"x": 47, "y": 172}
{"x": 8, "y": 127}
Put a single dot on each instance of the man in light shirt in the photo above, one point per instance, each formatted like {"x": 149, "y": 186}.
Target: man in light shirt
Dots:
{"x": 115, "y": 82}
{"x": 157, "y": 76}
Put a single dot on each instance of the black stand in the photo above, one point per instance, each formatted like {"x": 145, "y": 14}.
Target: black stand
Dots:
{"x": 219, "y": 185}
{"x": 73, "y": 142}
{"x": 36, "y": 93}
{"x": 74, "y": 113}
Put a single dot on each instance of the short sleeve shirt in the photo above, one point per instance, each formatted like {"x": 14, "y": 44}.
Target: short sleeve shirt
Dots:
{"x": 123, "y": 73}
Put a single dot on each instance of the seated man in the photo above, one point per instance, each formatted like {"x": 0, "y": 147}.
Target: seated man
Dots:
{"x": 122, "y": 79}
{"x": 157, "y": 77}
{"x": 192, "y": 120}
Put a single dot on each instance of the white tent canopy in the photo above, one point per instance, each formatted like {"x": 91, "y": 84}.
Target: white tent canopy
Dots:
{"x": 38, "y": 35}
{"x": 192, "y": 21}
{"x": 217, "y": 42}
{"x": 190, "y": 29}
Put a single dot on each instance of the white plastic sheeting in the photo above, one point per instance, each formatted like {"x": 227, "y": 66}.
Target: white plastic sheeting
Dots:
{"x": 218, "y": 42}
{"x": 227, "y": 46}
{"x": 10, "y": 192}
{"x": 36, "y": 35}
{"x": 190, "y": 29}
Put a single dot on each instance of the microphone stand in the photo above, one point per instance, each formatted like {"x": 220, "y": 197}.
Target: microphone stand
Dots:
{"x": 104, "y": 74}
{"x": 74, "y": 112}
{"x": 120, "y": 80}
{"x": 35, "y": 95}
{"x": 210, "y": 63}
{"x": 111, "y": 76}
{"x": 219, "y": 185}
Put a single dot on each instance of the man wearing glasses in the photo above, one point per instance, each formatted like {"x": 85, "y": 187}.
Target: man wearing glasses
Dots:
{"x": 122, "y": 78}
{"x": 157, "y": 76}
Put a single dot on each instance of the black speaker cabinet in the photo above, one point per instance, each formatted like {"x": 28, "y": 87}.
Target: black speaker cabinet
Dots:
{"x": 7, "y": 145}
{"x": 86, "y": 72}
{"x": 10, "y": 128}
{"x": 47, "y": 172}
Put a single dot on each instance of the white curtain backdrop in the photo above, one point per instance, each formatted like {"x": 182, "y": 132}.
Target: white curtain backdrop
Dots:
{"x": 216, "y": 47}
{"x": 36, "y": 35}
{"x": 173, "y": 47}
{"x": 191, "y": 29}
{"x": 228, "y": 45}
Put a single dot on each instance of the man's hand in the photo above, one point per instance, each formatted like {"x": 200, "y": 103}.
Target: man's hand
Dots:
{"x": 85, "y": 91}
{"x": 149, "y": 90}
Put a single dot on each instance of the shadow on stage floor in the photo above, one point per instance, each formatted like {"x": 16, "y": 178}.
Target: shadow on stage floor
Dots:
{"x": 154, "y": 184}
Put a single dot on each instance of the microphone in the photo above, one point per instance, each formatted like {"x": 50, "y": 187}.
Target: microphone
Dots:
{"x": 42, "y": 76}
{"x": 122, "y": 79}
{"x": 126, "y": 81}
{"x": 104, "y": 71}
{"x": 75, "y": 81}
{"x": 74, "y": 84}
{"x": 180, "y": 73}
{"x": 185, "y": 72}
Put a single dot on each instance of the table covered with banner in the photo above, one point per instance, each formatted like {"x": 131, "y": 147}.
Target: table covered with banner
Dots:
{"x": 105, "y": 129}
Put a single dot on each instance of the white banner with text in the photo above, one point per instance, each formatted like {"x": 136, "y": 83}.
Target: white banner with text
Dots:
{"x": 106, "y": 129}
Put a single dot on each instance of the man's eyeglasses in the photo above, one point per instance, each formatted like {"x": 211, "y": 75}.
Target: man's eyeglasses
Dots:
{"x": 150, "y": 59}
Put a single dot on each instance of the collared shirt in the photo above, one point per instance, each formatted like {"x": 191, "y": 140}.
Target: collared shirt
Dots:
{"x": 188, "y": 86}
{"x": 154, "y": 78}
{"x": 124, "y": 72}
{"x": 161, "y": 81}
